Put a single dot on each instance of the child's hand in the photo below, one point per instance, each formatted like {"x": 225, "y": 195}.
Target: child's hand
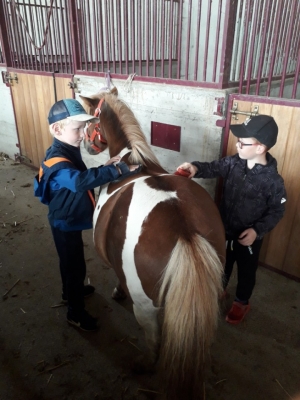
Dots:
{"x": 190, "y": 168}
{"x": 247, "y": 237}
{"x": 115, "y": 159}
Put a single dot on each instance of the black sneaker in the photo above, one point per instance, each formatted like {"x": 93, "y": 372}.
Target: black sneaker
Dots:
{"x": 88, "y": 290}
{"x": 82, "y": 320}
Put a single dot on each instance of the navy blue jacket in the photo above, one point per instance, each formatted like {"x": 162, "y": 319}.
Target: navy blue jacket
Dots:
{"x": 64, "y": 187}
{"x": 252, "y": 198}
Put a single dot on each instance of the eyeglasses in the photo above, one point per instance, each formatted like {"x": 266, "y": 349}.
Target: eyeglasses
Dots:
{"x": 241, "y": 144}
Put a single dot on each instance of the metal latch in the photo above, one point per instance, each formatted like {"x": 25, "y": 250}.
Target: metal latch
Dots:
{"x": 74, "y": 85}
{"x": 235, "y": 111}
{"x": 8, "y": 79}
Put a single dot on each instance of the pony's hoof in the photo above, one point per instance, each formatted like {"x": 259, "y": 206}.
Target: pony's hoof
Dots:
{"x": 118, "y": 294}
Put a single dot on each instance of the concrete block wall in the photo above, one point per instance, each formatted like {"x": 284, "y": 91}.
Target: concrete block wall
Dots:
{"x": 190, "y": 108}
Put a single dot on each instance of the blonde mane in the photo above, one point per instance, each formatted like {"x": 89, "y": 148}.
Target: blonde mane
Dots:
{"x": 141, "y": 151}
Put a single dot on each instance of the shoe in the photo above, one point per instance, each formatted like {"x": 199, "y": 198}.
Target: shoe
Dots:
{"x": 82, "y": 320}
{"x": 88, "y": 290}
{"x": 237, "y": 312}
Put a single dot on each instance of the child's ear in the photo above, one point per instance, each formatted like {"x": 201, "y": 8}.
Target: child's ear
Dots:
{"x": 56, "y": 129}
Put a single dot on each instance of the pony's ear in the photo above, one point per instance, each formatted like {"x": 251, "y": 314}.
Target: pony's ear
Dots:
{"x": 89, "y": 102}
{"x": 114, "y": 91}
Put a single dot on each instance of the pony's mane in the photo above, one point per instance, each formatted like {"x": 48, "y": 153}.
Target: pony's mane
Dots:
{"x": 141, "y": 151}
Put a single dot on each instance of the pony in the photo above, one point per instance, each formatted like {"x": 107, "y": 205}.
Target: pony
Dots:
{"x": 163, "y": 236}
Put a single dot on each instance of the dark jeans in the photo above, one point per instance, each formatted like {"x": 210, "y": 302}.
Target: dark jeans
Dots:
{"x": 69, "y": 246}
{"x": 247, "y": 264}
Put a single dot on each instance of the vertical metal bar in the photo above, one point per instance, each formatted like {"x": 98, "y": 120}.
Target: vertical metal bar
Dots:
{"x": 6, "y": 48}
{"x": 282, "y": 38}
{"x": 132, "y": 15}
{"x": 147, "y": 39}
{"x": 287, "y": 48}
{"x": 197, "y": 40}
{"x": 262, "y": 58}
{"x": 83, "y": 35}
{"x": 295, "y": 40}
{"x": 40, "y": 24}
{"x": 90, "y": 45}
{"x": 162, "y": 39}
{"x": 95, "y": 36}
{"x": 179, "y": 38}
{"x": 139, "y": 35}
{"x": 58, "y": 38}
{"x": 113, "y": 36}
{"x": 252, "y": 43}
{"x": 297, "y": 74}
{"x": 188, "y": 41}
{"x": 119, "y": 35}
{"x": 125, "y": 13}
{"x": 64, "y": 10}
{"x": 76, "y": 60}
{"x": 154, "y": 36}
{"x": 106, "y": 13}
{"x": 217, "y": 42}
{"x": 28, "y": 44}
{"x": 101, "y": 30}
{"x": 20, "y": 51}
{"x": 243, "y": 60}
{"x": 208, "y": 19}
{"x": 171, "y": 22}
{"x": 44, "y": 51}
{"x": 274, "y": 46}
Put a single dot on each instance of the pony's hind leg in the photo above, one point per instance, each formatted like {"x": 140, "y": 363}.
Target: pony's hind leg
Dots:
{"x": 118, "y": 293}
{"x": 148, "y": 320}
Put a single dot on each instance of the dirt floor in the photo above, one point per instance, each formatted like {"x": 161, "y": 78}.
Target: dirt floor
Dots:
{"x": 44, "y": 358}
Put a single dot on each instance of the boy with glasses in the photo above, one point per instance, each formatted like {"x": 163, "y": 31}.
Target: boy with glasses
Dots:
{"x": 253, "y": 202}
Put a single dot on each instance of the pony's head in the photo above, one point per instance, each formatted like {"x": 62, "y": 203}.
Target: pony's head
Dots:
{"x": 118, "y": 129}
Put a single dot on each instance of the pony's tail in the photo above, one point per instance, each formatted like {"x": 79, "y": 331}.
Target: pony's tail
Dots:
{"x": 189, "y": 293}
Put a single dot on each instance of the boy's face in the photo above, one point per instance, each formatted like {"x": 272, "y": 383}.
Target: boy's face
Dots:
{"x": 248, "y": 148}
{"x": 72, "y": 133}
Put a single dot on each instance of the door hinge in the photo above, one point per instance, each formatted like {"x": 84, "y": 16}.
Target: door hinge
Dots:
{"x": 8, "y": 79}
{"x": 74, "y": 85}
{"x": 234, "y": 111}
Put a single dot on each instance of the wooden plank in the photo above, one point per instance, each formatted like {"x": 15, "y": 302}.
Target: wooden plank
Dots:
{"x": 30, "y": 133}
{"x": 63, "y": 91}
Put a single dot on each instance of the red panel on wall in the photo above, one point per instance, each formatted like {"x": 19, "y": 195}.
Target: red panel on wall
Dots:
{"x": 165, "y": 136}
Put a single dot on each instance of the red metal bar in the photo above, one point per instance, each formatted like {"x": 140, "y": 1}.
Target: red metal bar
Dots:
{"x": 29, "y": 56}
{"x": 262, "y": 58}
{"x": 95, "y": 36}
{"x": 100, "y": 26}
{"x": 274, "y": 46}
{"x": 147, "y": 37}
{"x": 112, "y": 32}
{"x": 171, "y": 10}
{"x": 243, "y": 59}
{"x": 140, "y": 37}
{"x": 154, "y": 36}
{"x": 217, "y": 42}
{"x": 179, "y": 38}
{"x": 297, "y": 74}
{"x": 162, "y": 39}
{"x": 6, "y": 50}
{"x": 74, "y": 25}
{"x": 89, "y": 34}
{"x": 125, "y": 13}
{"x": 227, "y": 44}
{"x": 208, "y": 19}
{"x": 119, "y": 33}
{"x": 282, "y": 36}
{"x": 287, "y": 48}
{"x": 295, "y": 40}
{"x": 188, "y": 41}
{"x": 197, "y": 41}
{"x": 132, "y": 14}
{"x": 251, "y": 56}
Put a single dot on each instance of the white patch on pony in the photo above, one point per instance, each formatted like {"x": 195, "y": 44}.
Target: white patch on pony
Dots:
{"x": 144, "y": 199}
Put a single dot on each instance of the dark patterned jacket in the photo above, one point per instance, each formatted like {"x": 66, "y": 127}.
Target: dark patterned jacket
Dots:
{"x": 252, "y": 198}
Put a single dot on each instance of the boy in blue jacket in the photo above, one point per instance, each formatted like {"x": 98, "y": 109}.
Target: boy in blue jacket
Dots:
{"x": 66, "y": 186}
{"x": 252, "y": 204}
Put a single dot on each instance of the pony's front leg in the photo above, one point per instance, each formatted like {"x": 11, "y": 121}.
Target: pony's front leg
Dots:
{"x": 148, "y": 320}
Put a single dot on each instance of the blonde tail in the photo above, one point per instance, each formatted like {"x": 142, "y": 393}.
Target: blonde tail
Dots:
{"x": 189, "y": 292}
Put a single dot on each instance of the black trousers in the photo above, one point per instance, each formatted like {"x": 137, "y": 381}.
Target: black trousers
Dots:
{"x": 247, "y": 263}
{"x": 69, "y": 246}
